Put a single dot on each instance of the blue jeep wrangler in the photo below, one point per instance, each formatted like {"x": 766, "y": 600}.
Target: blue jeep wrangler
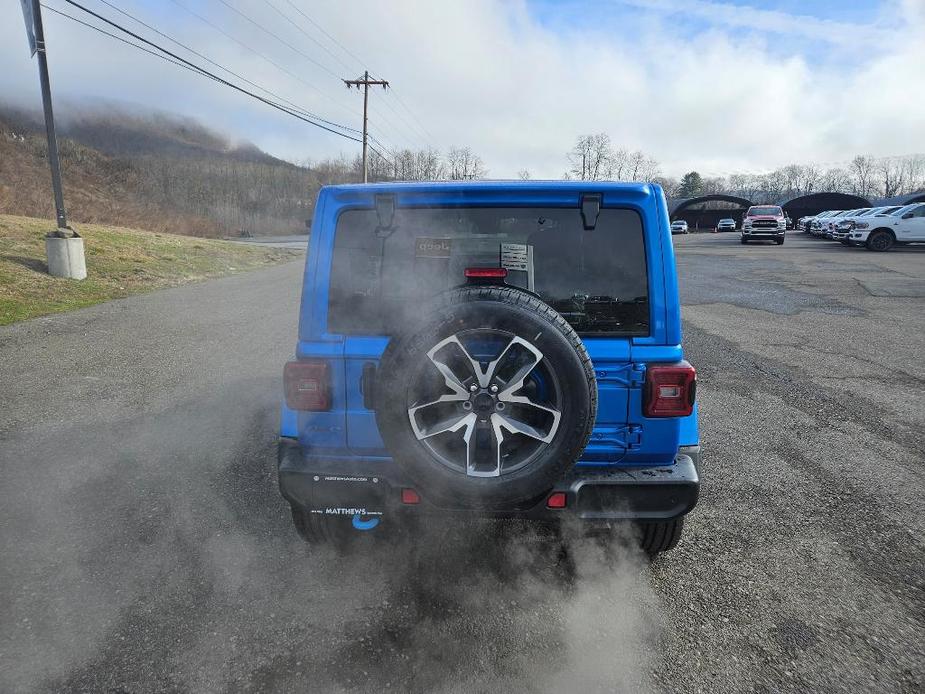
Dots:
{"x": 491, "y": 349}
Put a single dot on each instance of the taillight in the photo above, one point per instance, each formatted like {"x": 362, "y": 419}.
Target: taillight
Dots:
{"x": 498, "y": 273}
{"x": 557, "y": 500}
{"x": 410, "y": 496}
{"x": 308, "y": 385}
{"x": 670, "y": 390}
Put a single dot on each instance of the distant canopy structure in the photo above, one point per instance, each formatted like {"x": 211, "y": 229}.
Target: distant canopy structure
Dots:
{"x": 814, "y": 203}
{"x": 705, "y": 211}
{"x": 901, "y": 200}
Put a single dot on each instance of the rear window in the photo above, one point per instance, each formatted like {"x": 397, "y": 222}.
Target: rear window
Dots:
{"x": 596, "y": 279}
{"x": 769, "y": 211}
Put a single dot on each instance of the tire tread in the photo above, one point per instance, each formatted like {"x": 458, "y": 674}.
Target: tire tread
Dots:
{"x": 660, "y": 536}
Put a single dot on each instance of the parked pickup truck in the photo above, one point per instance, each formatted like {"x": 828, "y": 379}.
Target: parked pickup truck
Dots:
{"x": 905, "y": 225}
{"x": 486, "y": 350}
{"x": 814, "y": 225}
{"x": 846, "y": 224}
{"x": 764, "y": 223}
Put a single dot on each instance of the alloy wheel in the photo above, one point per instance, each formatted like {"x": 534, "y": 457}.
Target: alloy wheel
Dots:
{"x": 486, "y": 402}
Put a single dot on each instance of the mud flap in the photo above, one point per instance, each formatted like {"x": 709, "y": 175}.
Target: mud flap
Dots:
{"x": 358, "y": 500}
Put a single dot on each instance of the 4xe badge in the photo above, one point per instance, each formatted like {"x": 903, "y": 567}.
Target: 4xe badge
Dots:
{"x": 432, "y": 248}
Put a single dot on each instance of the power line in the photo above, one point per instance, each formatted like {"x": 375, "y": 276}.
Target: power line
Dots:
{"x": 411, "y": 113}
{"x": 278, "y": 38}
{"x": 262, "y": 56}
{"x": 283, "y": 99}
{"x": 373, "y": 138}
{"x": 306, "y": 34}
{"x": 321, "y": 29}
{"x": 383, "y": 157}
{"x": 406, "y": 130}
{"x": 410, "y": 127}
{"x": 348, "y": 52}
{"x": 125, "y": 41}
{"x": 211, "y": 75}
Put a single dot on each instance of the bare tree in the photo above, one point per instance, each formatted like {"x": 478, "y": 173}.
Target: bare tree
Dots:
{"x": 594, "y": 158}
{"x": 862, "y": 174}
{"x": 835, "y": 180}
{"x": 891, "y": 173}
{"x": 591, "y": 159}
{"x": 378, "y": 167}
{"x": 619, "y": 164}
{"x": 811, "y": 177}
{"x": 713, "y": 185}
{"x": 464, "y": 164}
{"x": 641, "y": 167}
{"x": 523, "y": 175}
{"x": 417, "y": 165}
{"x": 914, "y": 173}
{"x": 774, "y": 185}
{"x": 791, "y": 177}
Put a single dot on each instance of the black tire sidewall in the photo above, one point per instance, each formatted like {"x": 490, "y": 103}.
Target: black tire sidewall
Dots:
{"x": 523, "y": 315}
{"x": 878, "y": 234}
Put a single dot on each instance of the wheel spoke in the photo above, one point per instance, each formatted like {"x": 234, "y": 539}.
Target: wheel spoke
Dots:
{"x": 515, "y": 382}
{"x": 516, "y": 426}
{"x": 471, "y": 447}
{"x": 454, "y": 382}
{"x": 451, "y": 423}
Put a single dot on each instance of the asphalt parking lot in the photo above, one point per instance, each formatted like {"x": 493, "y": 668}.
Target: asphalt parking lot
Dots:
{"x": 145, "y": 547}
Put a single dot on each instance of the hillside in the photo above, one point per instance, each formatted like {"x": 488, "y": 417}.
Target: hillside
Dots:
{"x": 155, "y": 172}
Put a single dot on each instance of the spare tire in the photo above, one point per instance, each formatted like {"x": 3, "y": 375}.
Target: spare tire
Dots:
{"x": 487, "y": 400}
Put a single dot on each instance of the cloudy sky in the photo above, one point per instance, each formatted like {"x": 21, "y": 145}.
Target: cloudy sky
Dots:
{"x": 721, "y": 86}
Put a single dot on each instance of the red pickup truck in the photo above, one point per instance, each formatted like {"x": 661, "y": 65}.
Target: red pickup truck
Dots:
{"x": 764, "y": 223}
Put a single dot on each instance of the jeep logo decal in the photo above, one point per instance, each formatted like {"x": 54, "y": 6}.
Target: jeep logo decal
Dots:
{"x": 432, "y": 248}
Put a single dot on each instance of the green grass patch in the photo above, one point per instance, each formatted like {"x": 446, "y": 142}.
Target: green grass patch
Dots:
{"x": 120, "y": 262}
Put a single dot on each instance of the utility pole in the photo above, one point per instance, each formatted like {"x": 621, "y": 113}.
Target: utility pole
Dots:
{"x": 49, "y": 115}
{"x": 365, "y": 81}
{"x": 63, "y": 247}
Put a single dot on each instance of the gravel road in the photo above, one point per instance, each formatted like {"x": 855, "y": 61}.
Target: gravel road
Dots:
{"x": 144, "y": 546}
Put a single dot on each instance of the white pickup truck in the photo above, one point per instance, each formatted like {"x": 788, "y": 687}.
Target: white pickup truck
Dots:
{"x": 846, "y": 224}
{"x": 905, "y": 225}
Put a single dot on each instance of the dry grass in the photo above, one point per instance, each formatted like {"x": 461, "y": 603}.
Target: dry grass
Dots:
{"x": 97, "y": 189}
{"x": 120, "y": 262}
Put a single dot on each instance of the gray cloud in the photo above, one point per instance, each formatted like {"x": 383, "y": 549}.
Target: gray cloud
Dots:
{"x": 490, "y": 74}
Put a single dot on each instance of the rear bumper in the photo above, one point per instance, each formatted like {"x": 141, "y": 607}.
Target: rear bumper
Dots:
{"x": 592, "y": 493}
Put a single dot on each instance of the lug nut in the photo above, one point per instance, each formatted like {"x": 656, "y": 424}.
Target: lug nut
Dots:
{"x": 494, "y": 389}
{"x": 473, "y": 388}
{"x": 467, "y": 405}
{"x": 499, "y": 406}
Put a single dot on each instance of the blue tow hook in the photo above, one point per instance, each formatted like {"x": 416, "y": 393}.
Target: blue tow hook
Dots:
{"x": 361, "y": 524}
